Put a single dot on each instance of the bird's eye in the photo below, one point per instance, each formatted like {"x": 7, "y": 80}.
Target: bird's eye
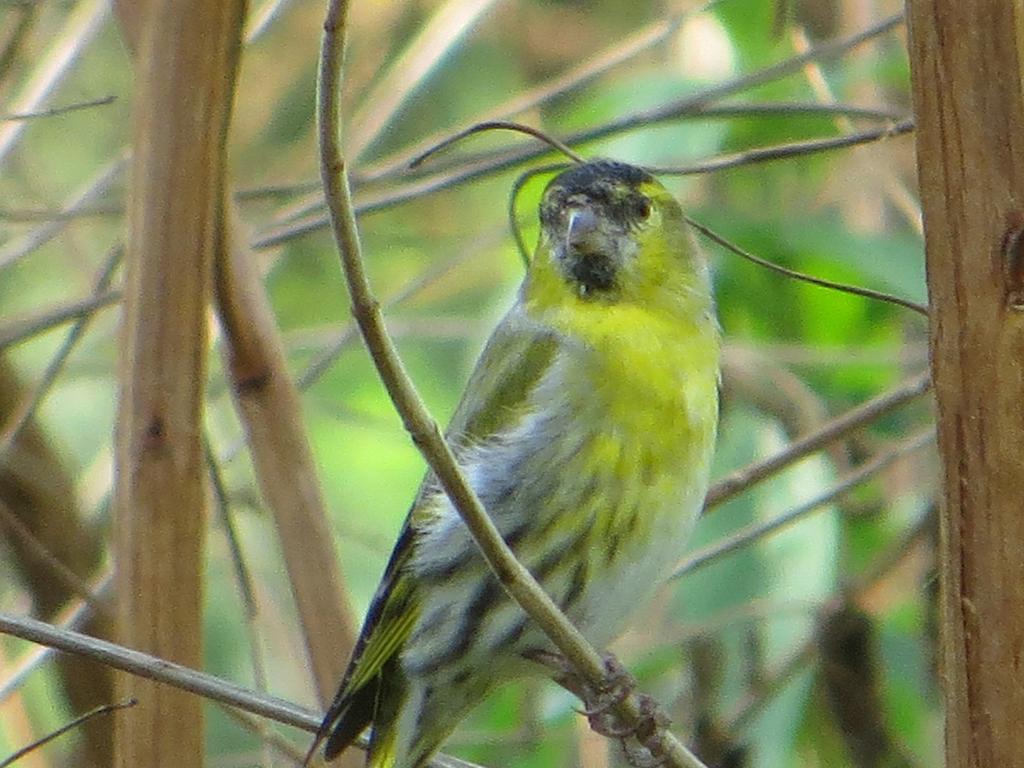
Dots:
{"x": 642, "y": 207}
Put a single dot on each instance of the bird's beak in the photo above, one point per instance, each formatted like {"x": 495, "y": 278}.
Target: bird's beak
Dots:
{"x": 589, "y": 257}
{"x": 583, "y": 233}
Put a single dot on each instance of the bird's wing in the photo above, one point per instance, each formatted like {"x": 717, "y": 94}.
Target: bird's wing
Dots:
{"x": 515, "y": 357}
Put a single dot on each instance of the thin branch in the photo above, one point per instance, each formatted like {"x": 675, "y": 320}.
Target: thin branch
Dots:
{"x": 693, "y": 103}
{"x": 846, "y": 484}
{"x": 895, "y": 554}
{"x": 901, "y": 198}
{"x": 270, "y": 739}
{"x": 16, "y": 423}
{"x": 160, "y": 670}
{"x": 788, "y": 150}
{"x": 492, "y": 125}
{"x": 48, "y": 215}
{"x": 82, "y": 24}
{"x": 19, "y": 331}
{"x": 807, "y": 651}
{"x": 426, "y": 434}
{"x": 106, "y": 709}
{"x": 83, "y": 199}
{"x": 426, "y": 185}
{"x": 301, "y": 218}
{"x": 739, "y": 481}
{"x": 897, "y": 124}
{"x": 243, "y": 581}
{"x": 73, "y": 617}
{"x": 243, "y": 576}
{"x": 735, "y": 110}
{"x": 176, "y": 675}
{"x": 55, "y": 111}
{"x": 567, "y": 82}
{"x": 349, "y": 334}
{"x": 855, "y": 290}
{"x": 790, "y": 668}
{"x": 70, "y": 580}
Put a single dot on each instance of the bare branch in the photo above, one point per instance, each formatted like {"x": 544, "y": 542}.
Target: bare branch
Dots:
{"x": 160, "y": 670}
{"x": 267, "y": 402}
{"x": 734, "y": 484}
{"x": 368, "y": 203}
{"x": 83, "y": 23}
{"x": 847, "y": 483}
{"x": 176, "y": 675}
{"x": 106, "y": 709}
{"x": 56, "y": 111}
{"x": 303, "y": 218}
{"x": 19, "y": 331}
{"x": 81, "y": 200}
{"x": 791, "y": 149}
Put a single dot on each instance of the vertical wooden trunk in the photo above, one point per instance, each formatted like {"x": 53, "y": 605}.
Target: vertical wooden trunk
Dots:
{"x": 187, "y": 53}
{"x": 967, "y": 82}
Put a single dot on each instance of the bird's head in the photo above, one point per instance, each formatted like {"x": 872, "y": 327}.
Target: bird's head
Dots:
{"x": 612, "y": 233}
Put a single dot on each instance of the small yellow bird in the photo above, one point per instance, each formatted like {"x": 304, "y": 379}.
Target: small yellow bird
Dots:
{"x": 587, "y": 430}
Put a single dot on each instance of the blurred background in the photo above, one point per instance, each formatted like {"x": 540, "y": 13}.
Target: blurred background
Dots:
{"x": 800, "y": 629}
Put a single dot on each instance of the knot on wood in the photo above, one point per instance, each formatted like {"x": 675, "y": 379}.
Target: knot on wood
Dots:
{"x": 1013, "y": 267}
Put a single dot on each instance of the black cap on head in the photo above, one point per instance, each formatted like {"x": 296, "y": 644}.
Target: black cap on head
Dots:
{"x": 610, "y": 185}
{"x": 583, "y": 177}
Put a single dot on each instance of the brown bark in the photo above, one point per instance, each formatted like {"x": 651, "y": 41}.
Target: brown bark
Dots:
{"x": 56, "y": 555}
{"x": 187, "y": 55}
{"x": 268, "y": 403}
{"x": 967, "y": 82}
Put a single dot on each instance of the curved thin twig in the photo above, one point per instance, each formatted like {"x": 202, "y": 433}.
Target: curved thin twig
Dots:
{"x": 855, "y": 290}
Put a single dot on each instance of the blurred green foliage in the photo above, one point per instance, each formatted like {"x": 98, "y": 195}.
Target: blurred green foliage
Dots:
{"x": 844, "y": 215}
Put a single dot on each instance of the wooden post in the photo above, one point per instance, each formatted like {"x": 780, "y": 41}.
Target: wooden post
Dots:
{"x": 187, "y": 54}
{"x": 966, "y": 58}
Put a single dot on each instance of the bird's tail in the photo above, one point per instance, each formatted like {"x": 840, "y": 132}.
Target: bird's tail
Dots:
{"x": 382, "y": 751}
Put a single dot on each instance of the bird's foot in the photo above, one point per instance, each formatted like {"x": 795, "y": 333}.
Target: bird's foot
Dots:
{"x": 600, "y": 701}
{"x": 641, "y": 740}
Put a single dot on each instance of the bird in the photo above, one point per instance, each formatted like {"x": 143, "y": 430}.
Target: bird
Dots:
{"x": 587, "y": 430}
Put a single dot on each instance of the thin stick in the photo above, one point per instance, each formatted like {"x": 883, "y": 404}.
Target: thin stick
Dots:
{"x": 491, "y": 125}
{"x": 855, "y": 290}
{"x": 176, "y": 675}
{"x": 293, "y": 225}
{"x": 56, "y": 111}
{"x": 82, "y": 24}
{"x": 734, "y": 484}
{"x": 426, "y": 434}
{"x": 19, "y": 420}
{"x": 106, "y": 709}
{"x": 788, "y": 150}
{"x": 161, "y": 670}
{"x": 23, "y": 329}
{"x": 464, "y": 172}
{"x": 566, "y": 82}
{"x": 71, "y": 581}
{"x": 84, "y": 198}
{"x": 759, "y": 530}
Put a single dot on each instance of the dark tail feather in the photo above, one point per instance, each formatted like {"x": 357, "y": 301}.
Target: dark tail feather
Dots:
{"x": 347, "y": 719}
